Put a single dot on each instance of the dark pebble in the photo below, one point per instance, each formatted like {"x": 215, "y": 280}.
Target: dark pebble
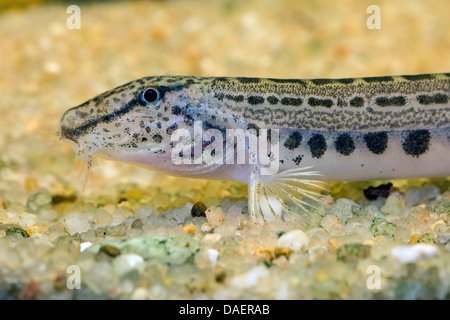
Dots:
{"x": 198, "y": 210}
{"x": 383, "y": 190}
{"x": 137, "y": 224}
{"x": 17, "y": 230}
{"x": 109, "y": 250}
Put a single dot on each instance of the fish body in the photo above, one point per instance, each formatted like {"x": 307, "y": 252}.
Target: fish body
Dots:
{"x": 344, "y": 129}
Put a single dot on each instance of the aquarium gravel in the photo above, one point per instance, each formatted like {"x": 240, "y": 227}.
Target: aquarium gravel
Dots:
{"x": 132, "y": 234}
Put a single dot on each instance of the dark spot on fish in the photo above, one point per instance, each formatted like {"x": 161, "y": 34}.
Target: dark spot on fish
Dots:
{"x": 255, "y": 100}
{"x": 345, "y": 80}
{"x": 398, "y": 101}
{"x": 317, "y": 145}
{"x": 288, "y": 81}
{"x": 314, "y": 102}
{"x": 357, "y": 102}
{"x": 417, "y": 142}
{"x": 291, "y": 101}
{"x": 419, "y": 77}
{"x": 297, "y": 160}
{"x": 248, "y": 80}
{"x": 272, "y": 100}
{"x": 438, "y": 98}
{"x": 157, "y": 138}
{"x": 172, "y": 128}
{"x": 344, "y": 144}
{"x": 387, "y": 102}
{"x": 376, "y": 141}
{"x": 321, "y": 82}
{"x": 238, "y": 98}
{"x": 176, "y": 110}
{"x": 219, "y": 96}
{"x": 378, "y": 79}
{"x": 293, "y": 141}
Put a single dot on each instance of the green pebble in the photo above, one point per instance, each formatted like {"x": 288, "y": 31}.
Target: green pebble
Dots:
{"x": 315, "y": 216}
{"x": 382, "y": 227}
{"x": 167, "y": 250}
{"x": 427, "y": 238}
{"x": 327, "y": 290}
{"x": 352, "y": 252}
{"x": 14, "y": 230}
{"x": 313, "y": 220}
{"x": 38, "y": 200}
{"x": 114, "y": 231}
{"x": 357, "y": 211}
{"x": 442, "y": 206}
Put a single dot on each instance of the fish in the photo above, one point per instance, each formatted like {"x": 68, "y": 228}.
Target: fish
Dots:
{"x": 285, "y": 138}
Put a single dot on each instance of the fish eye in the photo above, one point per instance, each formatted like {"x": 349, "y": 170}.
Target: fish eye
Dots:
{"x": 150, "y": 95}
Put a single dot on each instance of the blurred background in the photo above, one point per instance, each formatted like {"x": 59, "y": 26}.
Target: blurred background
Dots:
{"x": 46, "y": 68}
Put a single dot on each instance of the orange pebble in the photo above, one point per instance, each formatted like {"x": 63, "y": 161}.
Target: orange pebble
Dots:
{"x": 333, "y": 244}
{"x": 189, "y": 228}
{"x": 414, "y": 238}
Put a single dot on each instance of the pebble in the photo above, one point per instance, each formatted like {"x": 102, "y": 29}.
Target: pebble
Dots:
{"x": 128, "y": 262}
{"x": 394, "y": 205}
{"x": 332, "y": 225}
{"x": 198, "y": 210}
{"x": 178, "y": 214}
{"x": 27, "y": 219}
{"x": 413, "y": 253}
{"x": 442, "y": 206}
{"x": 214, "y": 215}
{"x": 15, "y": 230}
{"x": 352, "y": 252}
{"x": 136, "y": 224}
{"x": 140, "y": 294}
{"x": 76, "y": 222}
{"x": 109, "y": 250}
{"x": 342, "y": 209}
{"x": 212, "y": 255}
{"x": 294, "y": 240}
{"x": 427, "y": 238}
{"x": 412, "y": 197}
{"x": 443, "y": 238}
{"x": 84, "y": 246}
{"x": 39, "y": 199}
{"x": 430, "y": 192}
{"x": 189, "y": 228}
{"x": 382, "y": 227}
{"x": 251, "y": 278}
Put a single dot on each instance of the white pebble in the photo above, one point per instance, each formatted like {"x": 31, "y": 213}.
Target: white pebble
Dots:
{"x": 212, "y": 255}
{"x": 214, "y": 215}
{"x": 84, "y": 246}
{"x": 27, "y": 219}
{"x": 250, "y": 278}
{"x": 294, "y": 240}
{"x": 75, "y": 222}
{"x": 409, "y": 254}
{"x": 128, "y": 262}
